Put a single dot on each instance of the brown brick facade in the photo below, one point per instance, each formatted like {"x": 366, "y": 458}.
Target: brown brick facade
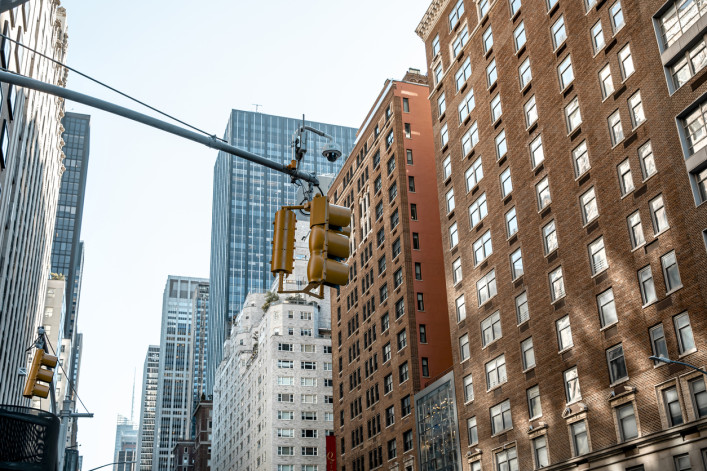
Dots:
{"x": 616, "y": 266}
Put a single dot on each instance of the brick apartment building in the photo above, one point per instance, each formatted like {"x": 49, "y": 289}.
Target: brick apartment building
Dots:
{"x": 570, "y": 148}
{"x": 389, "y": 325}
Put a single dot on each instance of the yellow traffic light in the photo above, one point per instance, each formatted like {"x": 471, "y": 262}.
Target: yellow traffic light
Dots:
{"x": 328, "y": 243}
{"x": 283, "y": 242}
{"x": 38, "y": 372}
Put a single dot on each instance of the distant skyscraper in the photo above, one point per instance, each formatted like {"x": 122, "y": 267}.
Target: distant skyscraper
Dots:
{"x": 67, "y": 250}
{"x": 200, "y": 314}
{"x": 175, "y": 383}
{"x": 246, "y": 197}
{"x": 125, "y": 445}
{"x": 146, "y": 434}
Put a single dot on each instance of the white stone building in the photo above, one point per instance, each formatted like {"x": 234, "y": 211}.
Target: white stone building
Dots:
{"x": 30, "y": 175}
{"x": 273, "y": 393}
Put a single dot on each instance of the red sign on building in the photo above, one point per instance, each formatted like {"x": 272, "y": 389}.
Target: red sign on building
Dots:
{"x": 330, "y": 453}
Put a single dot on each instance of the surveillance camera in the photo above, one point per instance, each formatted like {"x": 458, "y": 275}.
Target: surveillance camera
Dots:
{"x": 331, "y": 151}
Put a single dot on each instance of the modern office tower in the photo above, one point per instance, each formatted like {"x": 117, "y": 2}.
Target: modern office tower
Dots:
{"x": 125, "y": 445}
{"x": 67, "y": 248}
{"x": 575, "y": 161}
{"x": 389, "y": 336}
{"x": 175, "y": 382}
{"x": 272, "y": 404}
{"x": 148, "y": 407}
{"x": 199, "y": 332}
{"x": 30, "y": 174}
{"x": 246, "y": 197}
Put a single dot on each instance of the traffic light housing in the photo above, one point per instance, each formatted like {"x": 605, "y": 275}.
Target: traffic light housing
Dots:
{"x": 283, "y": 242}
{"x": 328, "y": 243}
{"x": 40, "y": 371}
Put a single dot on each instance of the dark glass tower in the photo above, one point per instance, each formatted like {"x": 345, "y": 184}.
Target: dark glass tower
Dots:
{"x": 246, "y": 197}
{"x": 67, "y": 250}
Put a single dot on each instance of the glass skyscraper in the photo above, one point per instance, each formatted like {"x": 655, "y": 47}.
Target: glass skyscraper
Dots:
{"x": 246, "y": 197}
{"x": 67, "y": 250}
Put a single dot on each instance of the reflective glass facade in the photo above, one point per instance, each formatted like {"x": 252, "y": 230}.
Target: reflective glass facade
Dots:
{"x": 67, "y": 251}
{"x": 246, "y": 197}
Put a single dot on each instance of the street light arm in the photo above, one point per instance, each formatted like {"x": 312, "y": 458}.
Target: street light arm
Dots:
{"x": 668, "y": 360}
{"x": 109, "y": 464}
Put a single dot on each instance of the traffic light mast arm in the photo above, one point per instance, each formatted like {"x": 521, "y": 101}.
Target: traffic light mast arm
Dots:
{"x": 209, "y": 141}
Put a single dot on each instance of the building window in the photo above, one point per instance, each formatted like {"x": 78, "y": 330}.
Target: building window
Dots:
{"x": 406, "y": 105}
{"x": 447, "y": 166}
{"x": 463, "y": 73}
{"x": 456, "y": 14}
{"x": 491, "y": 73}
{"x": 672, "y": 406}
{"x": 496, "y": 110}
{"x": 425, "y": 367}
{"x": 381, "y": 264}
{"x": 645, "y": 282}
{"x": 580, "y": 157}
{"x": 386, "y": 352}
{"x": 468, "y": 388}
{"x": 617, "y": 17}
{"x": 466, "y": 106}
{"x": 658, "y": 344}
{"x": 701, "y": 182}
{"x": 607, "y": 83}
{"x": 378, "y": 184}
{"x": 444, "y": 135}
{"x": 550, "y": 4}
{"x": 511, "y": 222}
{"x": 478, "y": 210}
{"x": 501, "y": 417}
{"x": 396, "y": 248}
{"x": 435, "y": 46}
{"x": 542, "y": 191}
{"x": 626, "y": 418}
{"x": 625, "y": 178}
{"x": 626, "y": 62}
{"x": 487, "y": 39}
{"x": 407, "y": 440}
{"x": 682, "y": 462}
{"x": 464, "y": 347}
{"x": 572, "y": 391}
{"x": 691, "y": 62}
{"x": 565, "y": 72}
{"x": 402, "y": 339}
{"x": 405, "y": 406}
{"x": 418, "y": 271}
{"x": 694, "y": 125}
{"x": 588, "y": 202}
{"x": 474, "y": 174}
{"x": 559, "y": 33}
{"x": 540, "y": 452}
{"x": 470, "y": 138}
{"x": 413, "y": 211}
{"x": 415, "y": 241}
{"x": 597, "y": 37}
{"x": 461, "y": 308}
{"x": 564, "y": 333}
{"x": 635, "y": 107}
{"x": 607, "y": 308}
{"x": 537, "y": 154}
{"x": 388, "y": 384}
{"x": 531, "y": 112}
{"x": 389, "y": 140}
{"x": 615, "y": 129}
{"x": 677, "y": 19}
{"x": 457, "y": 270}
{"x": 550, "y": 237}
{"x": 658, "y": 215}
{"x": 484, "y": 6}
{"x": 534, "y": 406}
{"x": 507, "y": 459}
{"x": 394, "y": 219}
{"x": 516, "y": 265}
{"x": 420, "y": 302}
{"x": 525, "y": 73}
{"x": 453, "y": 236}
{"x": 390, "y": 416}
{"x": 472, "y": 430}
{"x": 482, "y": 248}
{"x": 423, "y": 333}
{"x": 392, "y": 192}
{"x": 501, "y": 146}
{"x": 383, "y": 292}
{"x": 496, "y": 372}
{"x": 460, "y": 41}
{"x": 392, "y": 452}
{"x": 683, "y": 330}
{"x": 557, "y": 284}
{"x": 438, "y": 72}
{"x": 579, "y": 437}
{"x": 403, "y": 372}
{"x": 515, "y": 6}
{"x": 519, "y": 36}
{"x": 522, "y": 311}
{"x": 617, "y": 363}
{"x": 645, "y": 155}
{"x": 486, "y": 287}
{"x": 379, "y": 210}
{"x": 528, "y": 353}
{"x": 491, "y": 329}
{"x": 597, "y": 256}
{"x": 573, "y": 117}
{"x": 699, "y": 396}
{"x": 506, "y": 183}
{"x": 670, "y": 272}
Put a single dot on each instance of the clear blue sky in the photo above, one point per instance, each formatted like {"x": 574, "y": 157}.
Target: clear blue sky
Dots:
{"x": 148, "y": 201}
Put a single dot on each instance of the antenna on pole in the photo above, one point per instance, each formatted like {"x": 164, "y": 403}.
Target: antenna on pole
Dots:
{"x": 132, "y": 403}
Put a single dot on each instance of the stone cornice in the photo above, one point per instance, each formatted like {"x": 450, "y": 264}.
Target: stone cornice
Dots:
{"x": 430, "y": 18}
